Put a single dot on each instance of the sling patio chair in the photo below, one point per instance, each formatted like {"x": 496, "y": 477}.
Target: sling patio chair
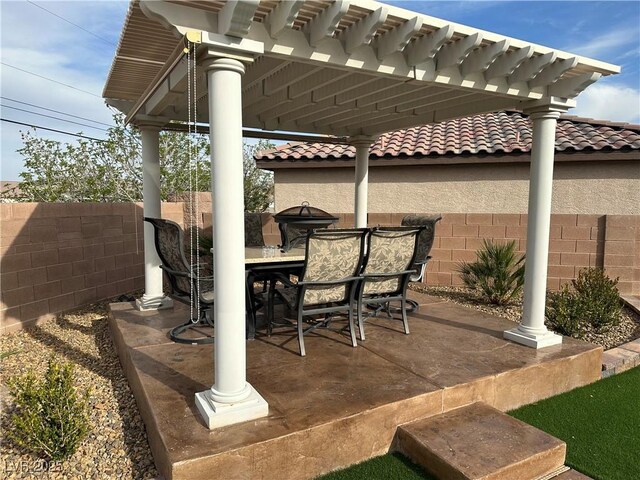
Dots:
{"x": 391, "y": 253}
{"x": 186, "y": 287}
{"x": 425, "y": 242}
{"x": 327, "y": 284}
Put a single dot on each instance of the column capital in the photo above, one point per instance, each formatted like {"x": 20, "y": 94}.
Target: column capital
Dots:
{"x": 148, "y": 122}
{"x": 548, "y": 105}
{"x": 362, "y": 140}
{"x": 223, "y": 63}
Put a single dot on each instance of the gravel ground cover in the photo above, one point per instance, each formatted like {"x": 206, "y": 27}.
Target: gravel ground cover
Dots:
{"x": 110, "y": 450}
{"x": 627, "y": 330}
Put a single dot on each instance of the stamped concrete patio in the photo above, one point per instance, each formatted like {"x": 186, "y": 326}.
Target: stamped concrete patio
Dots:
{"x": 338, "y": 405}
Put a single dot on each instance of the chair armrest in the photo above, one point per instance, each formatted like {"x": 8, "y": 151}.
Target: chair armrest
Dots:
{"x": 330, "y": 282}
{"x": 391, "y": 274}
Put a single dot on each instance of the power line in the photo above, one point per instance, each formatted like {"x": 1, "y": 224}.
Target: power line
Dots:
{"x": 52, "y": 130}
{"x": 55, "y": 111}
{"x": 71, "y": 23}
{"x": 55, "y": 118}
{"x": 50, "y": 79}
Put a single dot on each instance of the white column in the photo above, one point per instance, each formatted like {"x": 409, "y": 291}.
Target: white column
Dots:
{"x": 362, "y": 145}
{"x": 231, "y": 399}
{"x": 153, "y": 297}
{"x": 532, "y": 330}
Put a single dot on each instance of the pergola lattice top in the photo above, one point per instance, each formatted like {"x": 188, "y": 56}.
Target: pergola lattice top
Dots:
{"x": 343, "y": 68}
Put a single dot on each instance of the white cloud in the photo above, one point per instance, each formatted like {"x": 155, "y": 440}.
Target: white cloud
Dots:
{"x": 602, "y": 45}
{"x": 609, "y": 102}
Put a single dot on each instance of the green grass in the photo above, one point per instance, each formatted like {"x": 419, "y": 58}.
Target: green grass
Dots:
{"x": 600, "y": 424}
{"x": 392, "y": 466}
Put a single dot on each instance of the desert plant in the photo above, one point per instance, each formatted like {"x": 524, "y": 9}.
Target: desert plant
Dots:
{"x": 497, "y": 274}
{"x": 599, "y": 298}
{"x": 50, "y": 418}
{"x": 594, "y": 300}
{"x": 563, "y": 312}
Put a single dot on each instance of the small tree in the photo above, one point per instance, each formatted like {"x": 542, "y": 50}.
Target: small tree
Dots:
{"x": 258, "y": 184}
{"x": 110, "y": 170}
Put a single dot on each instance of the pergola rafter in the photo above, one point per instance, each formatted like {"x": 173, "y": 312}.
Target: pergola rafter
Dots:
{"x": 353, "y": 69}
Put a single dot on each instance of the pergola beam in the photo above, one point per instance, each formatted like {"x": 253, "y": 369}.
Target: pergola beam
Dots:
{"x": 507, "y": 63}
{"x": 424, "y": 49}
{"x": 283, "y": 16}
{"x": 453, "y": 54}
{"x": 528, "y": 70}
{"x": 552, "y": 72}
{"x": 481, "y": 59}
{"x": 235, "y": 17}
{"x": 571, "y": 87}
{"x": 395, "y": 40}
{"x": 325, "y": 24}
{"x": 362, "y": 32}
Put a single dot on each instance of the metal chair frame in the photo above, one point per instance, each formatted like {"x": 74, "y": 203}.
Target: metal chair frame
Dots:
{"x": 384, "y": 299}
{"x": 347, "y": 305}
{"x": 205, "y": 307}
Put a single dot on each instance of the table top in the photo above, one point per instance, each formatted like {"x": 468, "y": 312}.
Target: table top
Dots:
{"x": 254, "y": 255}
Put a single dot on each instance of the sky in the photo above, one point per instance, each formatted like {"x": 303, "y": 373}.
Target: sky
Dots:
{"x": 74, "y": 42}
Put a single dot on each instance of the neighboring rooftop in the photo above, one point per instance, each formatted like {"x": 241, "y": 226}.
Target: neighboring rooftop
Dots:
{"x": 491, "y": 133}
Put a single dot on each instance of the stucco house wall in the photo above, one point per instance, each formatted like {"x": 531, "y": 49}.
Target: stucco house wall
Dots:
{"x": 594, "y": 187}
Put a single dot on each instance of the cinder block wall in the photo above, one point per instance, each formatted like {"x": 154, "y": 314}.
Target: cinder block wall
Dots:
{"x": 611, "y": 242}
{"x": 57, "y": 256}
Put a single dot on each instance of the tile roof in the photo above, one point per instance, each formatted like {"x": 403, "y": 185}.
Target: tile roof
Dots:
{"x": 499, "y": 132}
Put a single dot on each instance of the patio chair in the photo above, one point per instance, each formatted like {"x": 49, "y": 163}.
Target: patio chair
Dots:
{"x": 391, "y": 253}
{"x": 185, "y": 286}
{"x": 253, "y": 237}
{"x": 425, "y": 242}
{"x": 327, "y": 284}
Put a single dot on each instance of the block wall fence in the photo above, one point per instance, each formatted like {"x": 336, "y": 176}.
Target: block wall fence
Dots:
{"x": 55, "y": 257}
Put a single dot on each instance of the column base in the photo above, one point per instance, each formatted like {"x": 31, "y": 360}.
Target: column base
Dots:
{"x": 216, "y": 414}
{"x": 148, "y": 302}
{"x": 546, "y": 339}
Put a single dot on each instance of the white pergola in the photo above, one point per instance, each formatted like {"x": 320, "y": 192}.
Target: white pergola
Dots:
{"x": 350, "y": 68}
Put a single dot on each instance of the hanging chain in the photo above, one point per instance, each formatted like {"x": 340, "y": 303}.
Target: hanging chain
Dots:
{"x": 195, "y": 156}
{"x": 192, "y": 284}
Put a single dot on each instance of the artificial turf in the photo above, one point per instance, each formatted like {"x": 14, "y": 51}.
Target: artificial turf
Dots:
{"x": 392, "y": 466}
{"x": 600, "y": 424}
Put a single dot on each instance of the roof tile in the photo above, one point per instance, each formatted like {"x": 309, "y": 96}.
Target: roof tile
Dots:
{"x": 490, "y": 133}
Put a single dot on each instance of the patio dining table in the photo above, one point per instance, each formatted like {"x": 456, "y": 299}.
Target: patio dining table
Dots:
{"x": 264, "y": 261}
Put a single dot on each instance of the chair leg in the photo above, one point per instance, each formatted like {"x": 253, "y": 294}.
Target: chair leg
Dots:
{"x": 403, "y": 307}
{"x": 352, "y": 327}
{"x": 301, "y": 333}
{"x": 270, "y": 308}
{"x": 360, "y": 318}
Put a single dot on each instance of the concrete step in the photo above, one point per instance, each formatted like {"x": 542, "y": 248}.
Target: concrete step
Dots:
{"x": 479, "y": 442}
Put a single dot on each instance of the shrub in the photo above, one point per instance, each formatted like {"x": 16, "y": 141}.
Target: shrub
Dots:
{"x": 563, "y": 312}
{"x": 497, "y": 274}
{"x": 50, "y": 418}
{"x": 594, "y": 301}
{"x": 599, "y": 298}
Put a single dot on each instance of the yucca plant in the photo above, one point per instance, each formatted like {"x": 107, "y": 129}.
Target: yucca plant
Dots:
{"x": 498, "y": 273}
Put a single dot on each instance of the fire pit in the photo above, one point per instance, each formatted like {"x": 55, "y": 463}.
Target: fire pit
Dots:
{"x": 295, "y": 223}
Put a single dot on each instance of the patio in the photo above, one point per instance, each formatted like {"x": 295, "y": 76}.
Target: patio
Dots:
{"x": 338, "y": 405}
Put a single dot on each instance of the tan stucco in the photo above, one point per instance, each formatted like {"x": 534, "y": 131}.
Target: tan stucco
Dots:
{"x": 579, "y": 188}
